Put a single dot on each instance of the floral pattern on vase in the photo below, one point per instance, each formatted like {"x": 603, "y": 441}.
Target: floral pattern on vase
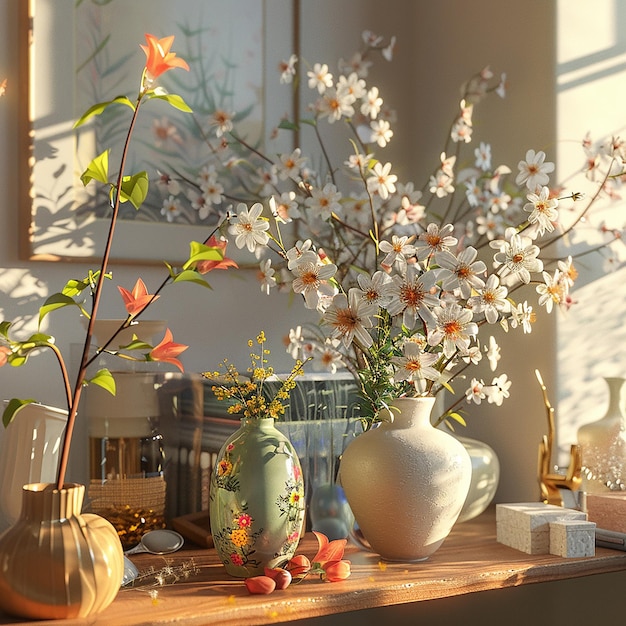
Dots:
{"x": 257, "y": 505}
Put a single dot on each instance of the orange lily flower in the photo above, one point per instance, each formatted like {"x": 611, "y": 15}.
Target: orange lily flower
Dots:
{"x": 204, "y": 267}
{"x": 137, "y": 300}
{"x": 298, "y": 566}
{"x": 329, "y": 558}
{"x": 337, "y": 570}
{"x": 159, "y": 57}
{"x": 167, "y": 351}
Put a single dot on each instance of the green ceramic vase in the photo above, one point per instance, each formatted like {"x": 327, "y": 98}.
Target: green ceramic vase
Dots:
{"x": 257, "y": 505}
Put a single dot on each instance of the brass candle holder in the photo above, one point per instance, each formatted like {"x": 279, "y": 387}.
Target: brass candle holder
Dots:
{"x": 551, "y": 482}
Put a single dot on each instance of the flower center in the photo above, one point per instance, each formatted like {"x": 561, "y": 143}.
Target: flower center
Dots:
{"x": 452, "y": 329}
{"x": 411, "y": 295}
{"x": 346, "y": 320}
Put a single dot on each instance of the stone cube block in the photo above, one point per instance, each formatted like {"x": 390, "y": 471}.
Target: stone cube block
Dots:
{"x": 572, "y": 538}
{"x": 525, "y": 526}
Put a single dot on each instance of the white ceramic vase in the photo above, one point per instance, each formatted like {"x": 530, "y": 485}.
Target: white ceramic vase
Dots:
{"x": 406, "y": 482}
{"x": 603, "y": 444}
{"x": 29, "y": 453}
{"x": 485, "y": 478}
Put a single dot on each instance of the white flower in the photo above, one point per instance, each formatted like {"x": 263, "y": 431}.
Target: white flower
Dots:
{"x": 311, "y": 280}
{"x": 519, "y": 257}
{"x": 415, "y": 365}
{"x": 291, "y": 164}
{"x": 320, "y": 78}
{"x": 483, "y": 156}
{"x": 168, "y": 184}
{"x": 295, "y": 342}
{"x": 542, "y": 210}
{"x": 284, "y": 208}
{"x": 499, "y": 390}
{"x": 490, "y": 299}
{"x": 372, "y": 103}
{"x": 493, "y": 353}
{"x": 550, "y": 291}
{"x": 249, "y": 227}
{"x": 411, "y": 295}
{"x": 522, "y": 315}
{"x": 475, "y": 392}
{"x": 327, "y": 358}
{"x": 266, "y": 276}
{"x": 441, "y": 184}
{"x": 324, "y": 202}
{"x": 453, "y": 328}
{"x": 382, "y": 181}
{"x": 434, "y": 240}
{"x": 171, "y": 208}
{"x": 222, "y": 121}
{"x": 381, "y": 132}
{"x": 301, "y": 253}
{"x": 287, "y": 69}
{"x": 534, "y": 170}
{"x": 397, "y": 251}
{"x": 461, "y": 271}
{"x": 336, "y": 105}
{"x": 352, "y": 86}
{"x": 350, "y": 317}
{"x": 372, "y": 288}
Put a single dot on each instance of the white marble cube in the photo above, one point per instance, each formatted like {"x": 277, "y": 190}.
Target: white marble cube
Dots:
{"x": 525, "y": 526}
{"x": 572, "y": 538}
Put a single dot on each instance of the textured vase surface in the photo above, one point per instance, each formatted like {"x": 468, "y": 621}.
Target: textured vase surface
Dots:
{"x": 406, "y": 482}
{"x": 257, "y": 506}
{"x": 56, "y": 563}
{"x": 603, "y": 445}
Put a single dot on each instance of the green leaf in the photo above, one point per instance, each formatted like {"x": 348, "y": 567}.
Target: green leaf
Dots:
{"x": 175, "y": 100}
{"x": 136, "y": 344}
{"x": 104, "y": 379}
{"x": 98, "y": 169}
{"x": 201, "y": 252}
{"x": 287, "y": 125}
{"x": 97, "y": 109}
{"x": 73, "y": 287}
{"x": 135, "y": 188}
{"x": 54, "y": 302}
{"x": 12, "y": 409}
{"x": 457, "y": 417}
{"x": 191, "y": 276}
{"x": 4, "y": 329}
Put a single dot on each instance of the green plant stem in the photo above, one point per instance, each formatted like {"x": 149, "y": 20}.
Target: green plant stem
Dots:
{"x": 80, "y": 378}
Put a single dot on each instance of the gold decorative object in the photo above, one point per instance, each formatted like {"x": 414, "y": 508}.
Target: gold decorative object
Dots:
{"x": 551, "y": 482}
{"x": 56, "y": 563}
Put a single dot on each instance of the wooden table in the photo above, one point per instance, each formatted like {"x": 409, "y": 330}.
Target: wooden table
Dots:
{"x": 470, "y": 560}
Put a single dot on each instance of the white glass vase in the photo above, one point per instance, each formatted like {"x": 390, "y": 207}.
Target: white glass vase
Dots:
{"x": 603, "y": 444}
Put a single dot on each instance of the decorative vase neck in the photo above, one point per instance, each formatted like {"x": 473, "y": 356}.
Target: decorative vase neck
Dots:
{"x": 44, "y": 501}
{"x": 260, "y": 423}
{"x": 615, "y": 408}
{"x": 410, "y": 412}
